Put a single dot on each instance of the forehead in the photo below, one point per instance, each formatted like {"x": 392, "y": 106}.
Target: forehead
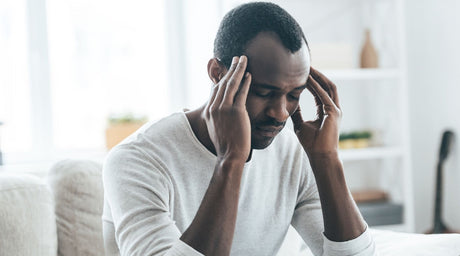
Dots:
{"x": 271, "y": 63}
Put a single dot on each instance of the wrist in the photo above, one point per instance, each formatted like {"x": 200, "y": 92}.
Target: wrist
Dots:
{"x": 229, "y": 171}
{"x": 326, "y": 165}
{"x": 324, "y": 157}
{"x": 230, "y": 162}
{"x": 234, "y": 158}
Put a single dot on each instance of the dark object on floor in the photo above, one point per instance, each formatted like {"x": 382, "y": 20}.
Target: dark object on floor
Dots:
{"x": 381, "y": 213}
{"x": 439, "y": 226}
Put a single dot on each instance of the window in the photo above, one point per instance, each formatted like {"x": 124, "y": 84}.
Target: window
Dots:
{"x": 105, "y": 57}
{"x": 66, "y": 65}
{"x": 15, "y": 134}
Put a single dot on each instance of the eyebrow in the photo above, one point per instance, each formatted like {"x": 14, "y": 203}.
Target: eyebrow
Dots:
{"x": 271, "y": 87}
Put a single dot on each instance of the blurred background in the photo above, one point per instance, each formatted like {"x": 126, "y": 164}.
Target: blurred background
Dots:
{"x": 76, "y": 76}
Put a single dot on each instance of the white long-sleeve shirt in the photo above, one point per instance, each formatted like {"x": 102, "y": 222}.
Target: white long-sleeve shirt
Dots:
{"x": 155, "y": 181}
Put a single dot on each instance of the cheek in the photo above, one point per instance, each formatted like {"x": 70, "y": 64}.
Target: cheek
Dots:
{"x": 255, "y": 106}
{"x": 292, "y": 107}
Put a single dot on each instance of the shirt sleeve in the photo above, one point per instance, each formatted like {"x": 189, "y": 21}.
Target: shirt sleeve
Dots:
{"x": 362, "y": 245}
{"x": 308, "y": 221}
{"x": 138, "y": 190}
{"x": 182, "y": 249}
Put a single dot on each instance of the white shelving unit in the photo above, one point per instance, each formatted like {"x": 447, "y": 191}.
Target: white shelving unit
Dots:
{"x": 370, "y": 153}
{"x": 372, "y": 99}
{"x": 361, "y": 74}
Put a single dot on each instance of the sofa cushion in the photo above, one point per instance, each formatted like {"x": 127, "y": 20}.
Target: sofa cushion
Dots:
{"x": 78, "y": 195}
{"x": 27, "y": 223}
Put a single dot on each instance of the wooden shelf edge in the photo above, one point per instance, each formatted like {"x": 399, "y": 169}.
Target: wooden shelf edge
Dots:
{"x": 370, "y": 153}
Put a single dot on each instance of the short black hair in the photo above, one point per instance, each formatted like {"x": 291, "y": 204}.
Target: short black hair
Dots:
{"x": 246, "y": 21}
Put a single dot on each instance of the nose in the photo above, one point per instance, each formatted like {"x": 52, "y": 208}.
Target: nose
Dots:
{"x": 277, "y": 109}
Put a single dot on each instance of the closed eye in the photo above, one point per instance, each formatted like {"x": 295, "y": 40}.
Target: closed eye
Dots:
{"x": 294, "y": 97}
{"x": 263, "y": 94}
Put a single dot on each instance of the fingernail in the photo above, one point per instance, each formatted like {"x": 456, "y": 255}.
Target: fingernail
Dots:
{"x": 241, "y": 58}
{"x": 234, "y": 60}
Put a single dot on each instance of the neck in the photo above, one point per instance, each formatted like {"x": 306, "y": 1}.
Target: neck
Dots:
{"x": 199, "y": 128}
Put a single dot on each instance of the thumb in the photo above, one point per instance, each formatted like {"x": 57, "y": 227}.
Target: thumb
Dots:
{"x": 297, "y": 119}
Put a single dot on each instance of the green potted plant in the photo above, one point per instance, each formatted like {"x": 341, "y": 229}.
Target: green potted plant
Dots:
{"x": 355, "y": 139}
{"x": 121, "y": 126}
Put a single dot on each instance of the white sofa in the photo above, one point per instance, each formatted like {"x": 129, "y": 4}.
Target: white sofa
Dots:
{"x": 58, "y": 215}
{"x": 61, "y": 215}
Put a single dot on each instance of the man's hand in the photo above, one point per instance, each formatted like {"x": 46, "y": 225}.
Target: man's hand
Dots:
{"x": 320, "y": 136}
{"x": 211, "y": 231}
{"x": 226, "y": 117}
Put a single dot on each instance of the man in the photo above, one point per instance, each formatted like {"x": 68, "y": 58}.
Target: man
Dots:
{"x": 226, "y": 178}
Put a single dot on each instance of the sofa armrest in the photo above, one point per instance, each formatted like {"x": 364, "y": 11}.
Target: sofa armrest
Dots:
{"x": 79, "y": 196}
{"x": 27, "y": 220}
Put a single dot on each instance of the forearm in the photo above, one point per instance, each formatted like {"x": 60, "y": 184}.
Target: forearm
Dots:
{"x": 342, "y": 219}
{"x": 211, "y": 231}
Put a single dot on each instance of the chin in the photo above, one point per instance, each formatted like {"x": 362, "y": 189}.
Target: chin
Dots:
{"x": 261, "y": 143}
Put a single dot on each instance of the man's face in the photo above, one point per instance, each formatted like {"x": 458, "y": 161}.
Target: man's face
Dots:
{"x": 278, "y": 79}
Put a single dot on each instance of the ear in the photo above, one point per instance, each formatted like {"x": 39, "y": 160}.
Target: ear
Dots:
{"x": 216, "y": 70}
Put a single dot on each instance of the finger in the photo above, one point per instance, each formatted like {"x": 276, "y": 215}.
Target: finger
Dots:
{"x": 223, "y": 83}
{"x": 214, "y": 90}
{"x": 319, "y": 104}
{"x": 242, "y": 94}
{"x": 336, "y": 95}
{"x": 331, "y": 88}
{"x": 230, "y": 70}
{"x": 322, "y": 94}
{"x": 234, "y": 81}
{"x": 321, "y": 81}
{"x": 297, "y": 119}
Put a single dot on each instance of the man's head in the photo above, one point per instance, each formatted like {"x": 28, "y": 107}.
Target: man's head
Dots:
{"x": 243, "y": 23}
{"x": 278, "y": 60}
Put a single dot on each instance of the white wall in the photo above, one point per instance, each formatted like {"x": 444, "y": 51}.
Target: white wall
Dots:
{"x": 202, "y": 19}
{"x": 433, "y": 44}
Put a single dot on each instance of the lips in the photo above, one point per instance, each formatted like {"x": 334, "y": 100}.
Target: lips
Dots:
{"x": 268, "y": 131}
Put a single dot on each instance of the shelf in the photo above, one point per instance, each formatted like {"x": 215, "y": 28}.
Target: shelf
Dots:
{"x": 369, "y": 153}
{"x": 361, "y": 74}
